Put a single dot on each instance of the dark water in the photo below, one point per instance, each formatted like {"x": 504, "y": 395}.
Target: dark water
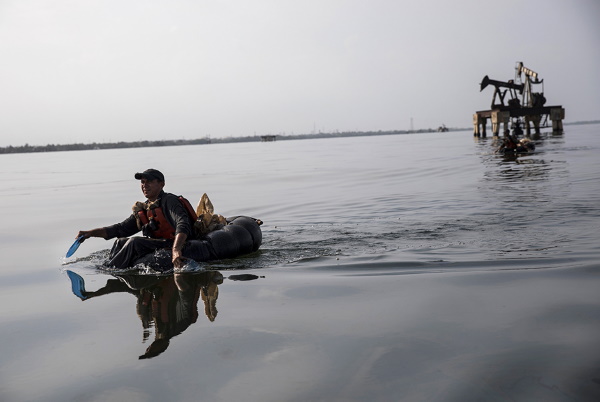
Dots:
{"x": 407, "y": 267}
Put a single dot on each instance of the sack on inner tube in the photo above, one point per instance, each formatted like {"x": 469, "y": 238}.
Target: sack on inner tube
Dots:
{"x": 207, "y": 220}
{"x": 227, "y": 238}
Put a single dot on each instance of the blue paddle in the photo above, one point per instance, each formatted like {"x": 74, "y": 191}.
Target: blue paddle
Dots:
{"x": 75, "y": 246}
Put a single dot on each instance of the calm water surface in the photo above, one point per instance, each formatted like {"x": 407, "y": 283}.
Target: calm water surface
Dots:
{"x": 405, "y": 267}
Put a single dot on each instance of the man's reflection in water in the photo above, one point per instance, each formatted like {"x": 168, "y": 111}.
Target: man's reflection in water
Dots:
{"x": 170, "y": 303}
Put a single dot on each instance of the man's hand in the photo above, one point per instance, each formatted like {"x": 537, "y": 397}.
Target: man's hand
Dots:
{"x": 98, "y": 232}
{"x": 178, "y": 259}
{"x": 83, "y": 234}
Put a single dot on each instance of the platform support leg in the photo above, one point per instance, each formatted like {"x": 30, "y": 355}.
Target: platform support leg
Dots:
{"x": 557, "y": 115}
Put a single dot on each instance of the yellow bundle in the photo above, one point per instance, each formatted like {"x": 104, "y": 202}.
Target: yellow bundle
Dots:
{"x": 207, "y": 220}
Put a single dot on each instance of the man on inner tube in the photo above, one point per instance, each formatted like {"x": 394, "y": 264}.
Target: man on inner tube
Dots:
{"x": 163, "y": 218}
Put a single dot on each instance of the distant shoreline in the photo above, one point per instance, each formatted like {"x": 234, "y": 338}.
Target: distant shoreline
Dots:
{"x": 207, "y": 140}
{"x": 200, "y": 141}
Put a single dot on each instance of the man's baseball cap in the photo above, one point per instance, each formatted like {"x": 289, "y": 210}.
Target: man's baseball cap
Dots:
{"x": 150, "y": 174}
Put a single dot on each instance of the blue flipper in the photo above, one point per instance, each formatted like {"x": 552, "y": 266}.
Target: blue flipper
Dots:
{"x": 77, "y": 284}
{"x": 75, "y": 246}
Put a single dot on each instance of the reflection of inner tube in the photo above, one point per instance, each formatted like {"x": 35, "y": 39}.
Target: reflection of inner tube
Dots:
{"x": 241, "y": 235}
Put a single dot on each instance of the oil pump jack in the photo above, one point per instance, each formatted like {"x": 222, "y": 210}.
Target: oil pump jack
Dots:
{"x": 524, "y": 106}
{"x": 500, "y": 95}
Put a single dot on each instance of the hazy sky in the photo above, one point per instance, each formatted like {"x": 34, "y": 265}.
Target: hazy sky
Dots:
{"x": 126, "y": 70}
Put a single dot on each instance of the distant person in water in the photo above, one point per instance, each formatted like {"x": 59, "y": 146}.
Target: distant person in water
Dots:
{"x": 165, "y": 219}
